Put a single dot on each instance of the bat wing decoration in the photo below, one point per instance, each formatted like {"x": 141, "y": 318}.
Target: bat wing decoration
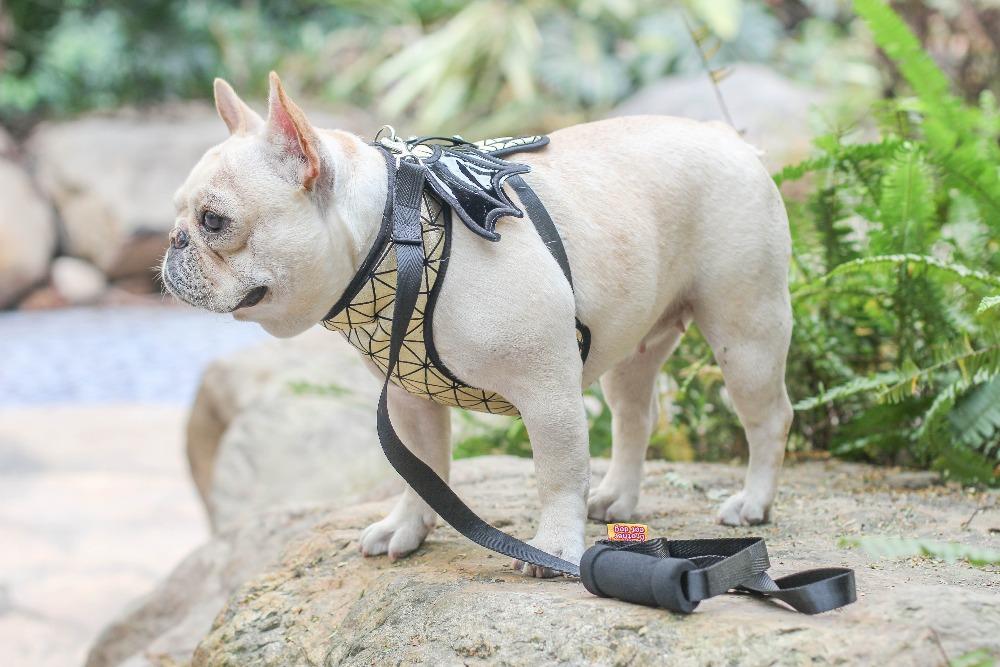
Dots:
{"x": 468, "y": 177}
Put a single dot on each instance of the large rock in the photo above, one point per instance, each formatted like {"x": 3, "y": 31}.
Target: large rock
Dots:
{"x": 6, "y": 142}
{"x": 258, "y": 440}
{"x": 27, "y": 233}
{"x": 113, "y": 177}
{"x": 164, "y": 627}
{"x": 316, "y": 601}
{"x": 772, "y": 111}
{"x": 78, "y": 281}
{"x": 95, "y": 510}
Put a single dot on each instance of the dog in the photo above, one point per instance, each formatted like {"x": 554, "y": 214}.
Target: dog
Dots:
{"x": 666, "y": 221}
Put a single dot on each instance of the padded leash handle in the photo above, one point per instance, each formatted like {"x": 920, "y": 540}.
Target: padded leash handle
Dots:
{"x": 638, "y": 578}
{"x": 678, "y": 574}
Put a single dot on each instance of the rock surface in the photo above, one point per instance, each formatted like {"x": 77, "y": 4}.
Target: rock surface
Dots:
{"x": 27, "y": 233}
{"x": 255, "y": 443}
{"x": 6, "y": 142}
{"x": 77, "y": 281}
{"x": 95, "y": 509}
{"x": 300, "y": 594}
{"x": 771, "y": 110}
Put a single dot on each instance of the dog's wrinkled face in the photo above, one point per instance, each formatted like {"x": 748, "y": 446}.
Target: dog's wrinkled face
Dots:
{"x": 252, "y": 234}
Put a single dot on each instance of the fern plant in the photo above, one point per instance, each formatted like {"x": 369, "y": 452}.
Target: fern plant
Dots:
{"x": 897, "y": 275}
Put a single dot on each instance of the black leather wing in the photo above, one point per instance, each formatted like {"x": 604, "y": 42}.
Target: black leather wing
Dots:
{"x": 469, "y": 177}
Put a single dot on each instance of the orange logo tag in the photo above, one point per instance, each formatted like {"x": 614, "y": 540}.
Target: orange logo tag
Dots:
{"x": 628, "y": 532}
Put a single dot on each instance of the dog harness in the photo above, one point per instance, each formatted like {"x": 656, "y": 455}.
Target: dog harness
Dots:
{"x": 386, "y": 312}
{"x": 466, "y": 179}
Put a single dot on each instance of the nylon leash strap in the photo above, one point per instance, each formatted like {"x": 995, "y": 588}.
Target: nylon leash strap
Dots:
{"x": 674, "y": 574}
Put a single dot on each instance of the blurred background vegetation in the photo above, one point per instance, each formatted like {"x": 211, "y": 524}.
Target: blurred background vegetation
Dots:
{"x": 895, "y": 218}
{"x": 481, "y": 66}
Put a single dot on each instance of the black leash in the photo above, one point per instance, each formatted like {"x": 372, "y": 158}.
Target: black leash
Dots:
{"x": 674, "y": 574}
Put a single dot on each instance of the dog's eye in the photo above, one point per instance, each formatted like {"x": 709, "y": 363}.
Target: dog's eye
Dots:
{"x": 213, "y": 222}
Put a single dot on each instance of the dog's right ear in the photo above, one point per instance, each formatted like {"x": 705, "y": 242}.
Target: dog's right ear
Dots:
{"x": 238, "y": 117}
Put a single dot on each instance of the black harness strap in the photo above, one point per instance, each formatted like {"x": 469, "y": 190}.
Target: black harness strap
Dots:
{"x": 546, "y": 229}
{"x": 543, "y": 224}
{"x": 675, "y": 574}
{"x": 420, "y": 477}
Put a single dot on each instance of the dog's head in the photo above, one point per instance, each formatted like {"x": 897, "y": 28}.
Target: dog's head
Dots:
{"x": 259, "y": 232}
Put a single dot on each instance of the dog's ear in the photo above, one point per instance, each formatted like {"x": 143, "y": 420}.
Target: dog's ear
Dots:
{"x": 238, "y": 117}
{"x": 291, "y": 133}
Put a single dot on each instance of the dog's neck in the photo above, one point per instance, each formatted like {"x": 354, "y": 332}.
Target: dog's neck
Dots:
{"x": 358, "y": 187}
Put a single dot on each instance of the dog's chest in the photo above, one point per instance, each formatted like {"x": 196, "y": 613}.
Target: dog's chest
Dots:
{"x": 366, "y": 321}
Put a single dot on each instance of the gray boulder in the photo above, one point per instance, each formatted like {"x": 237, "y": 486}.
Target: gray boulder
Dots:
{"x": 27, "y": 233}
{"x": 77, "y": 281}
{"x": 6, "y": 142}
{"x": 112, "y": 177}
{"x": 286, "y": 423}
{"x": 771, "y": 110}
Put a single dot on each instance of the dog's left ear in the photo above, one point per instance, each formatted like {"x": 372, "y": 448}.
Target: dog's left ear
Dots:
{"x": 238, "y": 117}
{"x": 290, "y": 132}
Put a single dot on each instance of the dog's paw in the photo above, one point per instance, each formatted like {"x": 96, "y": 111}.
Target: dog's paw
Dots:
{"x": 397, "y": 535}
{"x": 610, "y": 504}
{"x": 743, "y": 509}
{"x": 571, "y": 553}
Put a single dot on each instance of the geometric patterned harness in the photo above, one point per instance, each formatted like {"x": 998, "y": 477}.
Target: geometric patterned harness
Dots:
{"x": 364, "y": 313}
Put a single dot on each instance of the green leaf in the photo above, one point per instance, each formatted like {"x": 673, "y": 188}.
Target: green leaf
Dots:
{"x": 975, "y": 419}
{"x": 862, "y": 385}
{"x": 977, "y": 658}
{"x": 962, "y": 274}
{"x": 987, "y": 303}
{"x": 898, "y": 547}
{"x": 906, "y": 206}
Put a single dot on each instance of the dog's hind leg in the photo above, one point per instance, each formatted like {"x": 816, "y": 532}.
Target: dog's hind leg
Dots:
{"x": 630, "y": 391}
{"x": 750, "y": 337}
{"x": 425, "y": 428}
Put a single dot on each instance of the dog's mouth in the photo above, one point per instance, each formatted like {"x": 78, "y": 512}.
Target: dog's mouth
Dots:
{"x": 168, "y": 282}
{"x": 252, "y": 298}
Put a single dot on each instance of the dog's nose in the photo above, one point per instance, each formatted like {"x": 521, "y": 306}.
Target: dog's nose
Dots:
{"x": 179, "y": 239}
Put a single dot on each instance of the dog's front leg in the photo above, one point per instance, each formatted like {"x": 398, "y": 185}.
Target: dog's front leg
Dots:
{"x": 557, "y": 425}
{"x": 425, "y": 428}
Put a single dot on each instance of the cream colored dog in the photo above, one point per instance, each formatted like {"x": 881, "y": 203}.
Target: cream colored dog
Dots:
{"x": 666, "y": 221}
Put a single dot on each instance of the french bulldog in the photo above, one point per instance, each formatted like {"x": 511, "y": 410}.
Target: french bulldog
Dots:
{"x": 666, "y": 221}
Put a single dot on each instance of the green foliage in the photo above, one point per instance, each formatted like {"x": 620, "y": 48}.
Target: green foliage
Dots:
{"x": 978, "y": 658}
{"x": 987, "y": 303}
{"x": 912, "y": 366}
{"x": 896, "y": 267}
{"x": 303, "y": 388}
{"x": 475, "y": 66}
{"x": 484, "y": 435}
{"x": 881, "y": 546}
